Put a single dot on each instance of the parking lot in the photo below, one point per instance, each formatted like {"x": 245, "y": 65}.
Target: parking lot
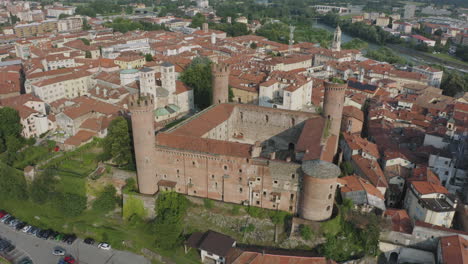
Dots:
{"x": 40, "y": 250}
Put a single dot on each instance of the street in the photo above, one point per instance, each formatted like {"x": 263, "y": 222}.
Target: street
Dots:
{"x": 40, "y": 250}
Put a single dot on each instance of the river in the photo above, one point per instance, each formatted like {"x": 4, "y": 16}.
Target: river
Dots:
{"x": 416, "y": 58}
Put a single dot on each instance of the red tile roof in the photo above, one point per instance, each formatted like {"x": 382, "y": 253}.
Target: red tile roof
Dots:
{"x": 454, "y": 249}
{"x": 427, "y": 187}
{"x": 355, "y": 184}
{"x": 400, "y": 220}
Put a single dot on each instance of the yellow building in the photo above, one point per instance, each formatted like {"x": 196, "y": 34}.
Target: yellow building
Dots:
{"x": 130, "y": 61}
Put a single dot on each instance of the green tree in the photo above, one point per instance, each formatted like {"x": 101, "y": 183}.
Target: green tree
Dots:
{"x": 198, "y": 76}
{"x": 278, "y": 217}
{"x": 42, "y": 187}
{"x": 355, "y": 43}
{"x": 198, "y": 20}
{"x": 453, "y": 83}
{"x": 231, "y": 94}
{"x": 118, "y": 144}
{"x": 462, "y": 52}
{"x": 106, "y": 199}
{"x": 170, "y": 210}
{"x": 306, "y": 232}
{"x": 253, "y": 45}
{"x": 12, "y": 184}
{"x": 86, "y": 26}
{"x": 85, "y": 41}
{"x": 133, "y": 206}
{"x": 10, "y": 130}
{"x": 149, "y": 57}
{"x": 346, "y": 168}
{"x": 88, "y": 54}
{"x": 62, "y": 16}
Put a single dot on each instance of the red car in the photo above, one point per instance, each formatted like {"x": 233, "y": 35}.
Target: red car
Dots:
{"x": 69, "y": 259}
{"x": 2, "y": 213}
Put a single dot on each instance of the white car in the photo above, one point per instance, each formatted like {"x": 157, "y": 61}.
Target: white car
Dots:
{"x": 104, "y": 246}
{"x": 26, "y": 228}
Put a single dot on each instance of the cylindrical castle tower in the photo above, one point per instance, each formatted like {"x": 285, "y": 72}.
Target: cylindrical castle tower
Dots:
{"x": 333, "y": 103}
{"x": 141, "y": 110}
{"x": 220, "y": 82}
{"x": 318, "y": 189}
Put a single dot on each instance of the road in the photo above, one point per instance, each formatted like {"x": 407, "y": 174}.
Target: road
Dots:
{"x": 40, "y": 251}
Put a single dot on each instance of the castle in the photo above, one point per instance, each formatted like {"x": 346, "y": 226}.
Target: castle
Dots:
{"x": 243, "y": 154}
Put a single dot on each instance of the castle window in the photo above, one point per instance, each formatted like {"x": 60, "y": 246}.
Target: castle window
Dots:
{"x": 190, "y": 180}
{"x": 216, "y": 185}
{"x": 177, "y": 171}
{"x": 225, "y": 167}
{"x": 194, "y": 192}
{"x": 193, "y": 163}
{"x": 293, "y": 176}
{"x": 331, "y": 186}
{"x": 266, "y": 118}
{"x": 293, "y": 121}
{"x": 264, "y": 193}
{"x": 240, "y": 170}
{"x": 330, "y": 196}
{"x": 290, "y": 208}
{"x": 165, "y": 176}
{"x": 259, "y": 179}
{"x": 275, "y": 182}
{"x": 240, "y": 179}
{"x": 241, "y": 115}
{"x": 292, "y": 196}
{"x": 240, "y": 190}
{"x": 258, "y": 202}
{"x": 328, "y": 208}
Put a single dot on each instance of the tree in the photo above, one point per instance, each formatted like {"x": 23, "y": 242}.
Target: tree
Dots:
{"x": 454, "y": 83}
{"x": 10, "y": 130}
{"x": 88, "y": 54}
{"x": 198, "y": 76}
{"x": 149, "y": 57}
{"x": 346, "y": 168}
{"x": 253, "y": 45}
{"x": 62, "y": 16}
{"x": 231, "y": 94}
{"x": 355, "y": 43}
{"x": 85, "y": 41}
{"x": 306, "y": 232}
{"x": 106, "y": 199}
{"x": 170, "y": 210}
{"x": 86, "y": 26}
{"x": 118, "y": 144}
{"x": 43, "y": 186}
{"x": 198, "y": 20}
{"x": 462, "y": 52}
{"x": 12, "y": 184}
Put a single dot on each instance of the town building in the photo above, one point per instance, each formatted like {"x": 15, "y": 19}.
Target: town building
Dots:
{"x": 430, "y": 203}
{"x": 434, "y": 76}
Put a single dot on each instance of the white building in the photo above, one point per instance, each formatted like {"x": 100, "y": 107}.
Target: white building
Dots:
{"x": 66, "y": 86}
{"x": 59, "y": 10}
{"x": 214, "y": 247}
{"x": 282, "y": 92}
{"x": 430, "y": 203}
{"x": 434, "y": 76}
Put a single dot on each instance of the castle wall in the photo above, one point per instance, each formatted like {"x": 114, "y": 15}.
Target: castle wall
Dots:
{"x": 262, "y": 183}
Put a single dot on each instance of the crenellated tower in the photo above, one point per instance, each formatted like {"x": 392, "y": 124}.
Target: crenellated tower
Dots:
{"x": 220, "y": 82}
{"x": 333, "y": 103}
{"x": 141, "y": 110}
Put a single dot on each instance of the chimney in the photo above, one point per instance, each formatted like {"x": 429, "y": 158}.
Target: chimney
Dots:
{"x": 273, "y": 155}
{"x": 97, "y": 90}
{"x": 205, "y": 27}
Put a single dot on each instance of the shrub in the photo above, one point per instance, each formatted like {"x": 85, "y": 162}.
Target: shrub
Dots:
{"x": 133, "y": 206}
{"x": 208, "y": 203}
{"x": 106, "y": 199}
{"x": 306, "y": 232}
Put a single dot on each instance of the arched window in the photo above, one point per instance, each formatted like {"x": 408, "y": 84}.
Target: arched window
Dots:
{"x": 266, "y": 118}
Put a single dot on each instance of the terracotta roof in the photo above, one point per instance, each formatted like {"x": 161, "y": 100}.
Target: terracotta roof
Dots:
{"x": 454, "y": 249}
{"x": 427, "y": 187}
{"x": 63, "y": 78}
{"x": 371, "y": 171}
{"x": 356, "y": 142}
{"x": 260, "y": 258}
{"x": 351, "y": 111}
{"x": 355, "y": 184}
{"x": 80, "y": 137}
{"x": 400, "y": 220}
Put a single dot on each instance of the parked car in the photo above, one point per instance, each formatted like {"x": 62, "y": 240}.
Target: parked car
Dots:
{"x": 36, "y": 231}
{"x": 69, "y": 260}
{"x": 4, "y": 244}
{"x": 71, "y": 239}
{"x": 25, "y": 260}
{"x": 89, "y": 241}
{"x": 58, "y": 251}
{"x": 20, "y": 226}
{"x": 3, "y": 213}
{"x": 14, "y": 222}
{"x": 59, "y": 237}
{"x": 10, "y": 248}
{"x": 39, "y": 232}
{"x": 9, "y": 220}
{"x": 104, "y": 245}
{"x": 4, "y": 218}
{"x": 53, "y": 234}
{"x": 26, "y": 229}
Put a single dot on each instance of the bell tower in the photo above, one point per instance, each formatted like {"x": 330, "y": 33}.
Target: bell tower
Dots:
{"x": 220, "y": 82}
{"x": 336, "y": 44}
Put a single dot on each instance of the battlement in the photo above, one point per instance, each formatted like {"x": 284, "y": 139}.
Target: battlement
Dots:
{"x": 137, "y": 102}
{"x": 220, "y": 68}
{"x": 330, "y": 86}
